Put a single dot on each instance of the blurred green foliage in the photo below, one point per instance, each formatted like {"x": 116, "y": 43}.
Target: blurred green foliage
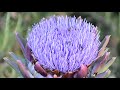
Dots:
{"x": 107, "y": 23}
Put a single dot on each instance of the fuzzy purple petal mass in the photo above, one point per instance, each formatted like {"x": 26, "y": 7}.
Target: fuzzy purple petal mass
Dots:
{"x": 64, "y": 43}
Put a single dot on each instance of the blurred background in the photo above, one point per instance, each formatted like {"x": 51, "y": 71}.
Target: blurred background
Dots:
{"x": 107, "y": 23}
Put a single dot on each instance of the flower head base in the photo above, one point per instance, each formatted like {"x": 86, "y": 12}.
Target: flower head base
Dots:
{"x": 67, "y": 47}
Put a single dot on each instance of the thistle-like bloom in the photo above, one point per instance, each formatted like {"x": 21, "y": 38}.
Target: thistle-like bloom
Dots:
{"x": 65, "y": 47}
{"x": 64, "y": 43}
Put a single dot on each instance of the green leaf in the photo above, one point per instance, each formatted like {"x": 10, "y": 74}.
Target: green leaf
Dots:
{"x": 103, "y": 45}
{"x": 15, "y": 57}
{"x": 107, "y": 65}
{"x": 25, "y": 72}
{"x": 22, "y": 42}
{"x": 104, "y": 74}
{"x": 100, "y": 63}
{"x": 13, "y": 64}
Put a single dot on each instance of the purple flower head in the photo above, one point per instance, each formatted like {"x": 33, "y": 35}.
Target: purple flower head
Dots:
{"x": 64, "y": 43}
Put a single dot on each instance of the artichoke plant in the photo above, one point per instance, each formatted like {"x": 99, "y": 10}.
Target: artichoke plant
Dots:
{"x": 62, "y": 47}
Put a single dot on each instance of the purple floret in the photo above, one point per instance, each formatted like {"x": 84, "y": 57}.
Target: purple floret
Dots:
{"x": 64, "y": 43}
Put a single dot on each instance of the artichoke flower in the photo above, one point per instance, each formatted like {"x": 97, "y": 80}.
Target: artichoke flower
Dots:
{"x": 62, "y": 47}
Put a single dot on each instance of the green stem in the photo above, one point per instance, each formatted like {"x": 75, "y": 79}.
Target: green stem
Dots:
{"x": 18, "y": 23}
{"x": 6, "y": 32}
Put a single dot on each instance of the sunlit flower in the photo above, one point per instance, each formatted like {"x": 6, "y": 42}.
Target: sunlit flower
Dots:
{"x": 63, "y": 46}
